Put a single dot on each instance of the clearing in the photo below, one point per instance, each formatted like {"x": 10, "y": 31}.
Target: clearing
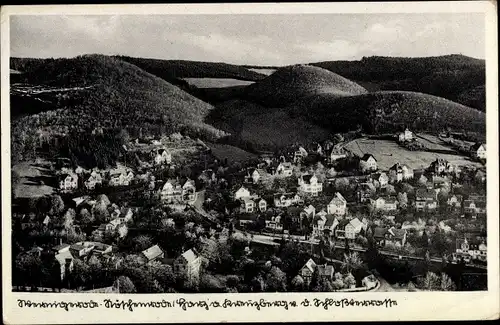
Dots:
{"x": 217, "y": 82}
{"x": 388, "y": 153}
{"x": 234, "y": 154}
{"x": 267, "y": 72}
{"x": 35, "y": 178}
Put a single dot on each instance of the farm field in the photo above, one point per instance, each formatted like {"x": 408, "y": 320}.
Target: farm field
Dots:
{"x": 31, "y": 174}
{"x": 263, "y": 71}
{"x": 216, "y": 82}
{"x": 389, "y": 152}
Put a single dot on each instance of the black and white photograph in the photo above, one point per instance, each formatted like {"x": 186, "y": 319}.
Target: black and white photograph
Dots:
{"x": 340, "y": 153}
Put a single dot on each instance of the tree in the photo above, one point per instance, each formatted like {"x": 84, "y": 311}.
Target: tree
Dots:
{"x": 338, "y": 283}
{"x": 56, "y": 205}
{"x": 431, "y": 281}
{"x": 403, "y": 199}
{"x": 124, "y": 285}
{"x": 276, "y": 280}
{"x": 142, "y": 242}
{"x": 69, "y": 218}
{"x": 86, "y": 218}
{"x": 352, "y": 261}
{"x": 446, "y": 283}
{"x": 298, "y": 283}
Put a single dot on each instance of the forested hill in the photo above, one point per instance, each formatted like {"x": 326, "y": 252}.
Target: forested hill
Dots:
{"x": 102, "y": 92}
{"x": 171, "y": 70}
{"x": 455, "y": 77}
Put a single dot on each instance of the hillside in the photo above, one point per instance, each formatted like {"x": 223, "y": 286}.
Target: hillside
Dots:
{"x": 112, "y": 95}
{"x": 289, "y": 84}
{"x": 388, "y": 111}
{"x": 455, "y": 77}
{"x": 254, "y": 127}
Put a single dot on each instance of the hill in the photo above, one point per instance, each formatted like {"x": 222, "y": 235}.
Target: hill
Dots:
{"x": 455, "y": 77}
{"x": 176, "y": 69}
{"x": 289, "y": 84}
{"x": 388, "y": 111}
{"x": 102, "y": 95}
{"x": 254, "y": 127}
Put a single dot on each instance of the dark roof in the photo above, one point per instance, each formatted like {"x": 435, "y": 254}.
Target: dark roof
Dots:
{"x": 366, "y": 156}
{"x": 342, "y": 224}
{"x": 424, "y": 193}
{"x": 306, "y": 178}
{"x": 396, "y": 166}
{"x": 330, "y": 219}
{"x": 475, "y": 146}
{"x": 398, "y": 233}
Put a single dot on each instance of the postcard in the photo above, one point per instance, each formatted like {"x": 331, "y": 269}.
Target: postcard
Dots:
{"x": 250, "y": 162}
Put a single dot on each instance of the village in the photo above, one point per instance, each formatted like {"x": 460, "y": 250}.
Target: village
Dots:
{"x": 301, "y": 219}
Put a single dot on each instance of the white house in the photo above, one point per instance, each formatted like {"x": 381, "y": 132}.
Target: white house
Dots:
{"x": 258, "y": 175}
{"x": 241, "y": 193}
{"x": 478, "y": 150}
{"x": 384, "y": 204}
{"x": 309, "y": 184}
{"x": 337, "y": 153}
{"x": 287, "y": 199}
{"x": 299, "y": 154}
{"x": 338, "y": 205}
{"x": 406, "y": 135}
{"x": 189, "y": 264}
{"x": 162, "y": 156}
{"x": 189, "y": 191}
{"x": 171, "y": 191}
{"x": 68, "y": 182}
{"x": 247, "y": 205}
{"x": 284, "y": 169}
{"x": 368, "y": 163}
{"x": 381, "y": 178}
{"x": 399, "y": 172}
{"x": 324, "y": 224}
{"x": 262, "y": 205}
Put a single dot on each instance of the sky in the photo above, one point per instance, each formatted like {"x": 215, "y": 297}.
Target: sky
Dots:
{"x": 278, "y": 39}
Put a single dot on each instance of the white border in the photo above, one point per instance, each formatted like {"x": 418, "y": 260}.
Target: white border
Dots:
{"x": 411, "y": 306}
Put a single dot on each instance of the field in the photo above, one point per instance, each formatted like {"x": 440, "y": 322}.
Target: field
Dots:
{"x": 267, "y": 72}
{"x": 389, "y": 152}
{"x": 216, "y": 82}
{"x": 233, "y": 154}
{"x": 31, "y": 175}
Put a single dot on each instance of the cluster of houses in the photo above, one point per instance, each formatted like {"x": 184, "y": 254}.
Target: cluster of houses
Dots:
{"x": 71, "y": 180}
{"x": 470, "y": 249}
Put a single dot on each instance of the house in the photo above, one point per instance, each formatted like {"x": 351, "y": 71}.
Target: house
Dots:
{"x": 188, "y": 264}
{"x": 65, "y": 261}
{"x": 337, "y": 153}
{"x": 153, "y": 253}
{"x": 368, "y": 163}
{"x": 68, "y": 182}
{"x": 284, "y": 169}
{"x": 365, "y": 191}
{"x": 308, "y": 212}
{"x": 324, "y": 224}
{"x": 405, "y": 136}
{"x": 162, "y": 156}
{"x": 247, "y": 205}
{"x": 384, "y": 235}
{"x": 299, "y": 155}
{"x": 440, "y": 166}
{"x": 81, "y": 249}
{"x": 287, "y": 199}
{"x": 425, "y": 199}
{"x": 399, "y": 172}
{"x": 262, "y": 205}
{"x": 478, "y": 151}
{"x": 258, "y": 175}
{"x": 309, "y": 184}
{"x": 274, "y": 223}
{"x": 247, "y": 218}
{"x": 471, "y": 249}
{"x": 381, "y": 178}
{"x": 455, "y": 201}
{"x": 120, "y": 177}
{"x": 171, "y": 191}
{"x": 94, "y": 179}
{"x": 126, "y": 215}
{"x": 338, "y": 205}
{"x": 306, "y": 272}
{"x": 112, "y": 225}
{"x": 46, "y": 221}
{"x": 189, "y": 191}
{"x": 326, "y": 271}
{"x": 474, "y": 207}
{"x": 354, "y": 227}
{"x": 241, "y": 193}
{"x": 384, "y": 203}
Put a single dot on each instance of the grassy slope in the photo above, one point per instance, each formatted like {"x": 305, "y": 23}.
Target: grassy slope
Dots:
{"x": 289, "y": 84}
{"x": 451, "y": 76}
{"x": 385, "y": 111}
{"x": 216, "y": 82}
{"x": 269, "y": 128}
